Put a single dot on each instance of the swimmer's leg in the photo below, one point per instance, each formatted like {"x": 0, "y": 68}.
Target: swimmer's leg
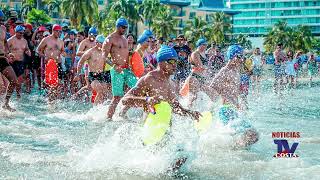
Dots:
{"x": 112, "y": 108}
{"x": 194, "y": 87}
{"x": 178, "y": 164}
{"x": 96, "y": 85}
{"x": 8, "y": 72}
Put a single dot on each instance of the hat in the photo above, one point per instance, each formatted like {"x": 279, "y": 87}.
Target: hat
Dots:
{"x": 100, "y": 39}
{"x": 121, "y": 22}
{"x": 142, "y": 39}
{"x": 28, "y": 26}
{"x": 19, "y": 29}
{"x": 93, "y": 31}
{"x": 233, "y": 51}
{"x": 42, "y": 29}
{"x": 165, "y": 53}
{"x": 147, "y": 32}
{"x": 56, "y": 27}
{"x": 201, "y": 42}
{"x": 1, "y": 13}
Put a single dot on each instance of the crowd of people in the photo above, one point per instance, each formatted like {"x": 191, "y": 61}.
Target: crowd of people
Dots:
{"x": 90, "y": 63}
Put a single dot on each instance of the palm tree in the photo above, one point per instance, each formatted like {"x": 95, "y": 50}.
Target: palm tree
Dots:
{"x": 280, "y": 33}
{"x": 76, "y": 10}
{"x": 53, "y": 6}
{"x": 164, "y": 23}
{"x": 303, "y": 39}
{"x": 149, "y": 9}
{"x": 127, "y": 9}
{"x": 27, "y": 6}
{"x": 196, "y": 28}
{"x": 221, "y": 25}
{"x": 243, "y": 40}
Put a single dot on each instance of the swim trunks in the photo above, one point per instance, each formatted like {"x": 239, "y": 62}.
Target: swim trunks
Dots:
{"x": 103, "y": 77}
{"x": 118, "y": 80}
{"x": 27, "y": 61}
{"x": 36, "y": 62}
{"x": 68, "y": 65}
{"x": 18, "y": 67}
{"x": 201, "y": 79}
{"x": 3, "y": 63}
{"x": 279, "y": 71}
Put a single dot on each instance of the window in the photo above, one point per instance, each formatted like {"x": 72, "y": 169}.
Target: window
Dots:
{"x": 100, "y": 2}
{"x": 192, "y": 15}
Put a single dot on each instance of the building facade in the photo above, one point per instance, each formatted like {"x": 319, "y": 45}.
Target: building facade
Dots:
{"x": 258, "y": 16}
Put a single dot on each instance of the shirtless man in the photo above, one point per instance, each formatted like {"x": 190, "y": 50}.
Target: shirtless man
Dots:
{"x": 117, "y": 45}
{"x": 5, "y": 69}
{"x": 18, "y": 48}
{"x": 99, "y": 79}
{"x": 226, "y": 83}
{"x": 279, "y": 68}
{"x": 155, "y": 87}
{"x": 85, "y": 45}
{"x": 52, "y": 47}
{"x": 198, "y": 78}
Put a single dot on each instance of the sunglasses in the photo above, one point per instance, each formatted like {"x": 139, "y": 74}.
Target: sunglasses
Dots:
{"x": 172, "y": 61}
{"x": 124, "y": 27}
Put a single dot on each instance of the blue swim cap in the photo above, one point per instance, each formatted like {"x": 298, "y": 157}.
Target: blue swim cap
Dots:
{"x": 121, "y": 22}
{"x": 19, "y": 29}
{"x": 147, "y": 32}
{"x": 201, "y": 42}
{"x": 234, "y": 50}
{"x": 142, "y": 39}
{"x": 165, "y": 53}
{"x": 1, "y": 13}
{"x": 93, "y": 31}
{"x": 100, "y": 39}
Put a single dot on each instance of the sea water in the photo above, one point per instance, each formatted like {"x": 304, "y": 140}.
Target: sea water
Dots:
{"x": 72, "y": 140}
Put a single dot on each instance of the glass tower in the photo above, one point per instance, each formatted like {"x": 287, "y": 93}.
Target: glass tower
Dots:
{"x": 258, "y": 15}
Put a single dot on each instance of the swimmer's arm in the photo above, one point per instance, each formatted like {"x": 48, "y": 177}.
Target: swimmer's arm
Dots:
{"x": 135, "y": 97}
{"x": 83, "y": 59}
{"x": 81, "y": 48}
{"x": 106, "y": 47}
{"x": 276, "y": 57}
{"x": 195, "y": 59}
{"x": 33, "y": 38}
{"x": 41, "y": 47}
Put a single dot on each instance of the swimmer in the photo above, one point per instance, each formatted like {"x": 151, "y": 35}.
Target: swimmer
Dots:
{"x": 198, "y": 78}
{"x": 18, "y": 48}
{"x": 5, "y": 69}
{"x": 99, "y": 79}
{"x": 258, "y": 62}
{"x": 117, "y": 45}
{"x": 155, "y": 87}
{"x": 227, "y": 84}
{"x": 52, "y": 47}
{"x": 85, "y": 45}
{"x": 279, "y": 68}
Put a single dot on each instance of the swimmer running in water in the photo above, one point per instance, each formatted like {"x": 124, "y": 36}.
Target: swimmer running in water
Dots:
{"x": 227, "y": 84}
{"x": 117, "y": 45}
{"x": 155, "y": 87}
{"x": 5, "y": 69}
{"x": 85, "y": 45}
{"x": 198, "y": 77}
{"x": 99, "y": 79}
{"x": 52, "y": 47}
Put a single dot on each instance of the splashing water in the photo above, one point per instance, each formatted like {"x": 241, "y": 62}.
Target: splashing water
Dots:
{"x": 72, "y": 140}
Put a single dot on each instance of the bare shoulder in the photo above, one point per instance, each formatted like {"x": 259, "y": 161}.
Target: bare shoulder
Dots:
{"x": 11, "y": 39}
